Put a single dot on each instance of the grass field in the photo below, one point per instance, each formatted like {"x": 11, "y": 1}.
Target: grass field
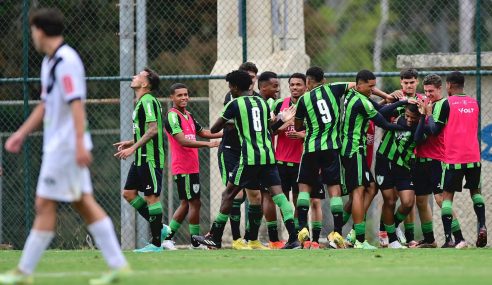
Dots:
{"x": 424, "y": 266}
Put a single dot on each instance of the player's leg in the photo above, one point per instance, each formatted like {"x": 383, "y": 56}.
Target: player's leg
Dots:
{"x": 452, "y": 182}
{"x": 151, "y": 180}
{"x": 330, "y": 176}
{"x": 307, "y": 178}
{"x": 130, "y": 192}
{"x": 409, "y": 224}
{"x": 316, "y": 221}
{"x": 425, "y": 214}
{"x": 254, "y": 207}
{"x": 270, "y": 212}
{"x": 473, "y": 178}
{"x": 184, "y": 194}
{"x": 255, "y": 215}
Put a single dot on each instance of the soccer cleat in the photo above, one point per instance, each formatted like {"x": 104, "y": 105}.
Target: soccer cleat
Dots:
{"x": 425, "y": 244}
{"x": 198, "y": 247}
{"x": 149, "y": 248}
{"x": 363, "y": 245}
{"x": 303, "y": 235}
{"x": 276, "y": 244}
{"x": 482, "y": 237}
{"x": 401, "y": 236}
{"x": 461, "y": 244}
{"x": 306, "y": 244}
{"x": 448, "y": 244}
{"x": 165, "y": 231}
{"x": 168, "y": 244}
{"x": 207, "y": 240}
{"x": 314, "y": 245}
{"x": 111, "y": 277}
{"x": 335, "y": 240}
{"x": 15, "y": 277}
{"x": 350, "y": 239}
{"x": 412, "y": 244}
{"x": 396, "y": 244}
{"x": 256, "y": 244}
{"x": 383, "y": 239}
{"x": 240, "y": 244}
{"x": 292, "y": 245}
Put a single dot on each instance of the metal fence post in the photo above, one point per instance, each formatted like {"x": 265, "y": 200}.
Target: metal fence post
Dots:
{"x": 126, "y": 108}
{"x": 479, "y": 65}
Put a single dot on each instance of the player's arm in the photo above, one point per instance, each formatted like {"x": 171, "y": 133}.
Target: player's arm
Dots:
{"x": 435, "y": 127}
{"x": 389, "y": 110}
{"x": 183, "y": 141}
{"x": 147, "y": 136}
{"x": 283, "y": 117}
{"x": 366, "y": 108}
{"x": 419, "y": 136}
{"x": 207, "y": 134}
{"x": 83, "y": 156}
{"x": 228, "y": 114}
{"x": 380, "y": 93}
{"x": 300, "y": 115}
{"x": 33, "y": 122}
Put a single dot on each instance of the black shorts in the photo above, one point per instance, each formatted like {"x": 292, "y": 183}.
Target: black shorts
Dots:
{"x": 188, "y": 186}
{"x": 315, "y": 163}
{"x": 228, "y": 159}
{"x": 427, "y": 174}
{"x": 288, "y": 176}
{"x": 318, "y": 192}
{"x": 144, "y": 178}
{"x": 389, "y": 175}
{"x": 332, "y": 176}
{"x": 355, "y": 172}
{"x": 255, "y": 176}
{"x": 453, "y": 178}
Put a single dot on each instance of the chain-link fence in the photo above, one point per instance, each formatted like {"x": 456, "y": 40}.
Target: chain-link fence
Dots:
{"x": 197, "y": 42}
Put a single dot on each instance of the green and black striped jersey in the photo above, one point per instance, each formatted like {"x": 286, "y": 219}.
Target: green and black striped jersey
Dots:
{"x": 399, "y": 146}
{"x": 355, "y": 122}
{"x": 251, "y": 116}
{"x": 147, "y": 110}
{"x": 320, "y": 110}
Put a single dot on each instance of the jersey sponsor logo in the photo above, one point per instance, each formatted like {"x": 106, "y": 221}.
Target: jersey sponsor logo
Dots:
{"x": 466, "y": 110}
{"x": 50, "y": 181}
{"x": 196, "y": 188}
{"x": 148, "y": 187}
{"x": 190, "y": 137}
{"x": 67, "y": 84}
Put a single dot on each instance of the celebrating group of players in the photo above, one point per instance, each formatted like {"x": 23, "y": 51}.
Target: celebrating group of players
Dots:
{"x": 303, "y": 143}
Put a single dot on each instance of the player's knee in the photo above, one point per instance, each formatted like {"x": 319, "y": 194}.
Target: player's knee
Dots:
{"x": 407, "y": 204}
{"x": 129, "y": 195}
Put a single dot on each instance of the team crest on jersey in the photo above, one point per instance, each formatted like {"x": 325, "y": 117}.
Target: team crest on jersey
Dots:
{"x": 196, "y": 188}
{"x": 380, "y": 179}
{"x": 367, "y": 175}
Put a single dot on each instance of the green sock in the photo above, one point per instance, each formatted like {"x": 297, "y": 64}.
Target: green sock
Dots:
{"x": 399, "y": 217}
{"x": 221, "y": 218}
{"x": 360, "y": 231}
{"x": 455, "y": 225}
{"x": 346, "y": 217}
{"x": 296, "y": 223}
{"x": 281, "y": 201}
{"x": 155, "y": 221}
{"x": 141, "y": 206}
{"x": 174, "y": 225}
{"x": 194, "y": 229}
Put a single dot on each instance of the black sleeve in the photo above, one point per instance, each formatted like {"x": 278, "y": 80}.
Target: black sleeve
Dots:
{"x": 381, "y": 122}
{"x": 198, "y": 127}
{"x": 167, "y": 126}
{"x": 227, "y": 98}
{"x": 277, "y": 106}
{"x": 339, "y": 89}
{"x": 388, "y": 110}
{"x": 376, "y": 105}
{"x": 275, "y": 126}
{"x": 419, "y": 136}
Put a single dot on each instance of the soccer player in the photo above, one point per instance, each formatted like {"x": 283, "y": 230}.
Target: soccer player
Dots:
{"x": 145, "y": 174}
{"x": 359, "y": 181}
{"x": 393, "y": 159}
{"x": 182, "y": 128}
{"x": 228, "y": 154}
{"x": 330, "y": 171}
{"x": 257, "y": 162}
{"x": 427, "y": 171}
{"x": 462, "y": 156}
{"x": 64, "y": 175}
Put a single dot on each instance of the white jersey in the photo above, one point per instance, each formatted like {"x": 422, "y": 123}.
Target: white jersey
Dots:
{"x": 62, "y": 81}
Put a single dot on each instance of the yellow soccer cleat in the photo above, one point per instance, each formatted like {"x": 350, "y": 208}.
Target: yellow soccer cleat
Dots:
{"x": 256, "y": 244}
{"x": 240, "y": 244}
{"x": 335, "y": 240}
{"x": 111, "y": 277}
{"x": 15, "y": 277}
{"x": 303, "y": 235}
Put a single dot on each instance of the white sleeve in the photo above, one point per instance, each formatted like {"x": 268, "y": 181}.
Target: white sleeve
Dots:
{"x": 70, "y": 76}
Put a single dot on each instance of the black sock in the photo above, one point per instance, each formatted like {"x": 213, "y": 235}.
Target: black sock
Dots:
{"x": 337, "y": 222}
{"x": 272, "y": 231}
{"x": 392, "y": 237}
{"x": 458, "y": 236}
{"x": 235, "y": 218}
{"x": 254, "y": 216}
{"x": 446, "y": 222}
{"x": 291, "y": 229}
{"x": 429, "y": 237}
{"x": 409, "y": 235}
{"x": 316, "y": 233}
{"x": 155, "y": 228}
{"x": 480, "y": 212}
{"x": 381, "y": 226}
{"x": 170, "y": 235}
{"x": 144, "y": 212}
{"x": 302, "y": 214}
{"x": 217, "y": 231}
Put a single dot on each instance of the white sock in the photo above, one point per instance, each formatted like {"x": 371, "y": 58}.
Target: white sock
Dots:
{"x": 103, "y": 233}
{"x": 36, "y": 244}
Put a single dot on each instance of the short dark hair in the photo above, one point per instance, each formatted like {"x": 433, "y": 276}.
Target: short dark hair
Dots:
{"x": 240, "y": 79}
{"x": 316, "y": 73}
{"x": 433, "y": 79}
{"x": 266, "y": 76}
{"x": 364, "y": 75}
{"x": 153, "y": 78}
{"x": 49, "y": 20}
{"x": 412, "y": 108}
{"x": 176, "y": 86}
{"x": 298, "y": 75}
{"x": 456, "y": 78}
{"x": 248, "y": 66}
{"x": 409, "y": 73}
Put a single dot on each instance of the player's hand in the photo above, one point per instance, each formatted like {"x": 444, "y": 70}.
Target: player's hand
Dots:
{"x": 83, "y": 157}
{"x": 296, "y": 135}
{"x": 288, "y": 114}
{"x": 398, "y": 95}
{"x": 212, "y": 144}
{"x": 421, "y": 105}
{"x": 286, "y": 125}
{"x": 123, "y": 145}
{"x": 272, "y": 116}
{"x": 412, "y": 101}
{"x": 14, "y": 142}
{"x": 124, "y": 153}
{"x": 428, "y": 108}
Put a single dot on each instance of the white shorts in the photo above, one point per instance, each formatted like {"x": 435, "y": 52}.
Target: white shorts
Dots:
{"x": 61, "y": 179}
